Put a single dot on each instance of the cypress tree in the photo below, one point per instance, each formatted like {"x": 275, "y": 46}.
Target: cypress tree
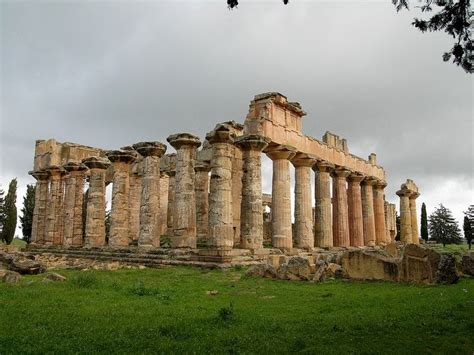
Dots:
{"x": 397, "y": 222}
{"x": 424, "y": 223}
{"x": 443, "y": 227}
{"x": 26, "y": 218}
{"x": 469, "y": 225}
{"x": 2, "y": 210}
{"x": 9, "y": 221}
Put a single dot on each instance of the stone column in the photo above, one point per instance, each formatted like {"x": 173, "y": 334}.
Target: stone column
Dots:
{"x": 119, "y": 216}
{"x": 171, "y": 194}
{"x": 281, "y": 196}
{"x": 237, "y": 167}
{"x": 95, "y": 215}
{"x": 73, "y": 201}
{"x": 340, "y": 207}
{"x": 414, "y": 220}
{"x": 202, "y": 200}
{"x": 368, "y": 211}
{"x": 134, "y": 199}
{"x": 405, "y": 216}
{"x": 379, "y": 212}
{"x": 164, "y": 186}
{"x": 150, "y": 227}
{"x": 184, "y": 219}
{"x": 323, "y": 227}
{"x": 304, "y": 234}
{"x": 251, "y": 222}
{"x": 221, "y": 223}
{"x": 354, "y": 201}
{"x": 39, "y": 214}
{"x": 53, "y": 234}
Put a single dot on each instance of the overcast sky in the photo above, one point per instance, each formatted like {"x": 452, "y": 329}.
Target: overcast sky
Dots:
{"x": 110, "y": 73}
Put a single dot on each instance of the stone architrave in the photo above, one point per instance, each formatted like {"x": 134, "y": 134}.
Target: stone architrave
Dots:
{"x": 414, "y": 220}
{"x": 73, "y": 203}
{"x": 323, "y": 222}
{"x": 379, "y": 212}
{"x": 368, "y": 210}
{"x": 304, "y": 233}
{"x": 95, "y": 215}
{"x": 354, "y": 201}
{"x": 39, "y": 214}
{"x": 202, "y": 170}
{"x": 150, "y": 220}
{"x": 251, "y": 227}
{"x": 53, "y": 235}
{"x": 405, "y": 216}
{"x": 281, "y": 196}
{"x": 221, "y": 222}
{"x": 119, "y": 216}
{"x": 184, "y": 219}
{"x": 340, "y": 207}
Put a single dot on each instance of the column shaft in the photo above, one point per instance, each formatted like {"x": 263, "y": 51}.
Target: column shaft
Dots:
{"x": 414, "y": 220}
{"x": 202, "y": 200}
{"x": 135, "y": 182}
{"x": 354, "y": 199}
{"x": 237, "y": 164}
{"x": 340, "y": 208}
{"x": 53, "y": 208}
{"x": 323, "y": 227}
{"x": 368, "y": 212}
{"x": 379, "y": 213}
{"x": 39, "y": 213}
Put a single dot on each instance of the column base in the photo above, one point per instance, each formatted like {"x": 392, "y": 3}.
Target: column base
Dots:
{"x": 215, "y": 255}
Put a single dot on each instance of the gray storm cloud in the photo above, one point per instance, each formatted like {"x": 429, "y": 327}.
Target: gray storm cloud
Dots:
{"x": 109, "y": 74}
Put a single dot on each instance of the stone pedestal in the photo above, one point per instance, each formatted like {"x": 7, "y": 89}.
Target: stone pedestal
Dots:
{"x": 221, "y": 223}
{"x": 414, "y": 219}
{"x": 251, "y": 229}
{"x": 95, "y": 215}
{"x": 323, "y": 225}
{"x": 150, "y": 227}
{"x": 54, "y": 232}
{"x": 340, "y": 208}
{"x": 368, "y": 211}
{"x": 73, "y": 202}
{"x": 405, "y": 217}
{"x": 202, "y": 200}
{"x": 184, "y": 219}
{"x": 119, "y": 236}
{"x": 281, "y": 194}
{"x": 304, "y": 233}
{"x": 38, "y": 227}
{"x": 379, "y": 212}
{"x": 354, "y": 201}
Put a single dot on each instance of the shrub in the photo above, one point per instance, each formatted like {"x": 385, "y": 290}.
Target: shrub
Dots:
{"x": 85, "y": 280}
{"x": 226, "y": 313}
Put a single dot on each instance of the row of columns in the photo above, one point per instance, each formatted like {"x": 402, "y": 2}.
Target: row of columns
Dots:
{"x": 354, "y": 216}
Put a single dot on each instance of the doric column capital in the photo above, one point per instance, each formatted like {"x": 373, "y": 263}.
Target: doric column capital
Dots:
{"x": 73, "y": 166}
{"x": 278, "y": 152}
{"x": 369, "y": 181}
{"x": 341, "y": 172}
{"x": 183, "y": 140}
{"x": 121, "y": 156}
{"x": 55, "y": 172}
{"x": 252, "y": 142}
{"x": 356, "y": 177}
{"x": 404, "y": 192}
{"x": 301, "y": 159}
{"x": 414, "y": 195}
{"x": 150, "y": 148}
{"x": 221, "y": 134}
{"x": 96, "y": 163}
{"x": 40, "y": 175}
{"x": 323, "y": 166}
{"x": 380, "y": 184}
{"x": 202, "y": 166}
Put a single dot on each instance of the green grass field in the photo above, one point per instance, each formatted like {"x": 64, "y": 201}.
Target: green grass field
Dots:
{"x": 169, "y": 310}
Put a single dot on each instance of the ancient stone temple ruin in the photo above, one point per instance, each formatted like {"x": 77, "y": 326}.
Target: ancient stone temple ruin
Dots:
{"x": 207, "y": 197}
